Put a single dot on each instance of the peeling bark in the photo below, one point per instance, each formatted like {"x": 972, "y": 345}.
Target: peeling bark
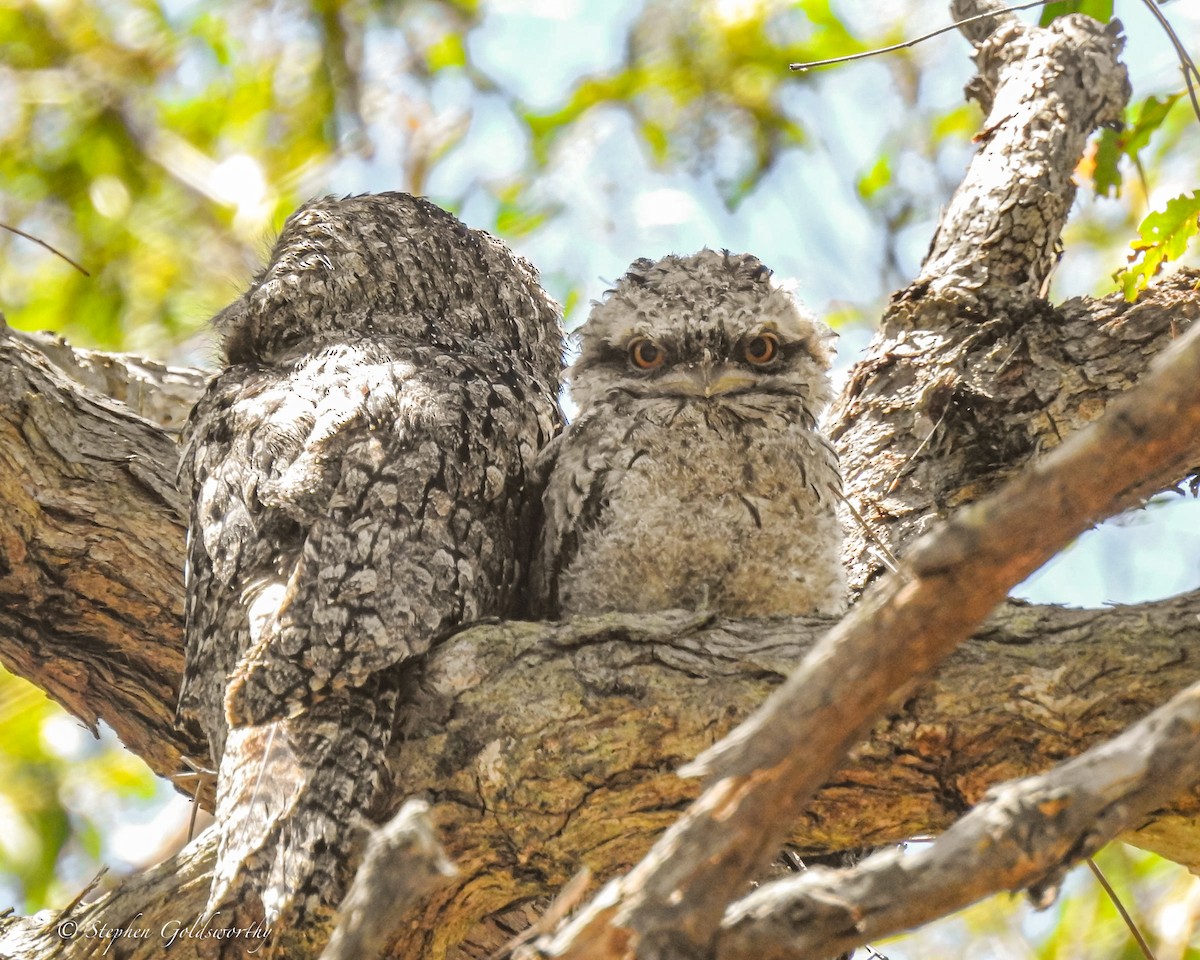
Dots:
{"x": 1045, "y": 91}
{"x": 971, "y": 373}
{"x": 161, "y": 393}
{"x": 934, "y": 419}
{"x": 91, "y": 550}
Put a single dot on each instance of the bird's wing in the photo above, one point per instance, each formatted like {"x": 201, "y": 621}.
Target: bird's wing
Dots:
{"x": 580, "y": 468}
{"x": 369, "y": 503}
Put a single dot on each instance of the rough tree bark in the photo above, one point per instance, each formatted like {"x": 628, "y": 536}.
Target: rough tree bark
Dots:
{"x": 545, "y": 747}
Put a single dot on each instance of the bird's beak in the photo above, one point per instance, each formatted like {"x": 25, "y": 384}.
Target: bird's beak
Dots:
{"x": 726, "y": 379}
{"x": 707, "y": 381}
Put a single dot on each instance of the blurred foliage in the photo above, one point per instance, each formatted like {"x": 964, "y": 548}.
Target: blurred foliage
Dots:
{"x": 1115, "y": 145}
{"x": 1081, "y": 924}
{"x": 61, "y": 791}
{"x": 161, "y": 143}
{"x": 704, "y": 85}
{"x": 1101, "y": 10}
{"x": 156, "y": 143}
{"x": 1164, "y": 235}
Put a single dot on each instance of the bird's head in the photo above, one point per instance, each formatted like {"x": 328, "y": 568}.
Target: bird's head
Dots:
{"x": 389, "y": 264}
{"x": 706, "y": 327}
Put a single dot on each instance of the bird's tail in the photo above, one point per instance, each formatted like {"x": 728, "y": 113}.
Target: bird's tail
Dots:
{"x": 288, "y": 794}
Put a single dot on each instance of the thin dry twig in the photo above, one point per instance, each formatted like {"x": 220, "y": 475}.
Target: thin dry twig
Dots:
{"x": 1187, "y": 66}
{"x": 88, "y": 888}
{"x": 1116, "y": 902}
{"x": 569, "y": 897}
{"x": 43, "y": 243}
{"x": 402, "y": 863}
{"x": 885, "y": 554}
{"x": 194, "y": 772}
{"x": 803, "y": 67}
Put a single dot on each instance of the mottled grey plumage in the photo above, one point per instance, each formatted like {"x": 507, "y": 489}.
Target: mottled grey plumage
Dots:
{"x": 356, "y": 475}
{"x": 694, "y": 474}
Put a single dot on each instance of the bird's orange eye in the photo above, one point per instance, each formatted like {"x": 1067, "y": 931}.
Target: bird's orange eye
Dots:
{"x": 762, "y": 349}
{"x": 646, "y": 354}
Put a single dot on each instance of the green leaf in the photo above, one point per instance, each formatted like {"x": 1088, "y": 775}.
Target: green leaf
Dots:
{"x": 961, "y": 123}
{"x": 657, "y": 140}
{"x": 514, "y": 221}
{"x": 875, "y": 179}
{"x": 572, "y": 300}
{"x": 1151, "y": 114}
{"x": 1162, "y": 237}
{"x": 1140, "y": 123}
{"x": 1101, "y": 10}
{"x": 213, "y": 31}
{"x": 516, "y": 216}
{"x": 122, "y": 773}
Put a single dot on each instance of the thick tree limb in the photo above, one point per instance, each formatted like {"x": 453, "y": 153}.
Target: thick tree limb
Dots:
{"x": 161, "y": 393}
{"x": 1045, "y": 90}
{"x": 91, "y": 549}
{"x": 100, "y": 629}
{"x": 546, "y": 747}
{"x": 932, "y": 420}
{"x": 78, "y": 468}
{"x": 1025, "y": 835}
{"x": 579, "y": 767}
{"x": 971, "y": 373}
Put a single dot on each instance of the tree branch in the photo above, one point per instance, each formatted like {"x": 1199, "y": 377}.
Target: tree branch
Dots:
{"x": 1045, "y": 91}
{"x": 932, "y": 420}
{"x": 972, "y": 373}
{"x": 544, "y": 747}
{"x": 402, "y": 863}
{"x": 161, "y": 393}
{"x": 91, "y": 547}
{"x": 1024, "y": 836}
{"x": 965, "y": 11}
